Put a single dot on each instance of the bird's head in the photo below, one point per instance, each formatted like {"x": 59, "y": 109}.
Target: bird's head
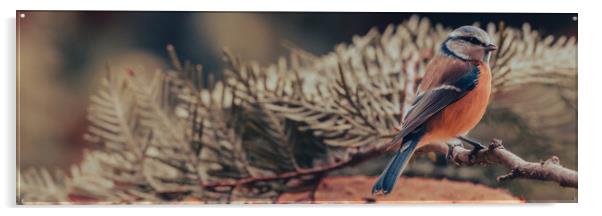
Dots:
{"x": 469, "y": 43}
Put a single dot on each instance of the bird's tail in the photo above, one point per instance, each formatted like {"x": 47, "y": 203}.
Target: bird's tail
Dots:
{"x": 389, "y": 177}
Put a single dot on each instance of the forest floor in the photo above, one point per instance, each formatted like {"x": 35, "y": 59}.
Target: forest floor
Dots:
{"x": 356, "y": 189}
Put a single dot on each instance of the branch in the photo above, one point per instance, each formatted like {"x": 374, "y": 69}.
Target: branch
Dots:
{"x": 357, "y": 156}
{"x": 548, "y": 170}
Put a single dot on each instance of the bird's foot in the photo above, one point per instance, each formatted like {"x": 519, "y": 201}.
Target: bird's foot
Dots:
{"x": 473, "y": 153}
{"x": 450, "y": 149}
{"x": 475, "y": 150}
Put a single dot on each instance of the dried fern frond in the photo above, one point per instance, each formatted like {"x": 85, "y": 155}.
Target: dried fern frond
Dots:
{"x": 41, "y": 185}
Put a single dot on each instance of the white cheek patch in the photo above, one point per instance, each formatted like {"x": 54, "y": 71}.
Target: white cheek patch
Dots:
{"x": 462, "y": 55}
{"x": 454, "y": 47}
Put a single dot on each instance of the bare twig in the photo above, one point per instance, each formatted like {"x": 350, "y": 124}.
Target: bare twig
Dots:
{"x": 548, "y": 170}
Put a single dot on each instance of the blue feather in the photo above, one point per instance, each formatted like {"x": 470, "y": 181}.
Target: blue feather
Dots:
{"x": 388, "y": 178}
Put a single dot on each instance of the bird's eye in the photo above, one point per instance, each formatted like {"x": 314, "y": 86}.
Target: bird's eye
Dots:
{"x": 473, "y": 40}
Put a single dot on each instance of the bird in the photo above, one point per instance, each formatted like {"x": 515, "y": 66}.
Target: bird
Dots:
{"x": 450, "y": 101}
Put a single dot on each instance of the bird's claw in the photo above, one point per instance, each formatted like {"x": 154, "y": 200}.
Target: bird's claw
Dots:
{"x": 476, "y": 147}
{"x": 450, "y": 149}
{"x": 473, "y": 153}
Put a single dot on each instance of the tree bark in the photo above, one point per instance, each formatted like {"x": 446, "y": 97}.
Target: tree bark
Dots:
{"x": 548, "y": 170}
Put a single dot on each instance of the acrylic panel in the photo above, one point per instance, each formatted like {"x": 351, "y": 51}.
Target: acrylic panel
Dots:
{"x": 295, "y": 107}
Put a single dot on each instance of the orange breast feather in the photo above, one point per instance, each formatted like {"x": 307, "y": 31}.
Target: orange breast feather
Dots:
{"x": 463, "y": 115}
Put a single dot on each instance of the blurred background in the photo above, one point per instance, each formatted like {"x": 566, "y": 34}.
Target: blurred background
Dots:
{"x": 62, "y": 54}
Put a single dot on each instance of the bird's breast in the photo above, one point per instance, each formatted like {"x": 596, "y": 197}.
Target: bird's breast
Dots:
{"x": 463, "y": 115}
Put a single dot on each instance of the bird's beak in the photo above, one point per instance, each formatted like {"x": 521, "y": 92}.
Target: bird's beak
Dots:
{"x": 491, "y": 47}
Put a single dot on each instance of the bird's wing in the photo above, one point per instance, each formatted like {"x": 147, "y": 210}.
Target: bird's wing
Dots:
{"x": 445, "y": 82}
